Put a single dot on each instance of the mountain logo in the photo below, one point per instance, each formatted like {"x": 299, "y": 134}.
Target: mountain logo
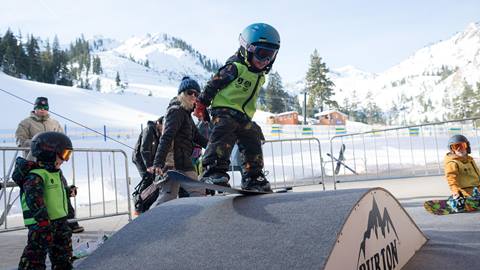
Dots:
{"x": 381, "y": 232}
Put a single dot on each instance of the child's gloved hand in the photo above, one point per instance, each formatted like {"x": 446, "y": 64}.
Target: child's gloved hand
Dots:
{"x": 200, "y": 110}
{"x": 45, "y": 232}
{"x": 73, "y": 191}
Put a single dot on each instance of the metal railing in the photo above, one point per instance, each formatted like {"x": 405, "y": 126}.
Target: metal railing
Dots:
{"x": 291, "y": 162}
{"x": 96, "y": 172}
{"x": 410, "y": 151}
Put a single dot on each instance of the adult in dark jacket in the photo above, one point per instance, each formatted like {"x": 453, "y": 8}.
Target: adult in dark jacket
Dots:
{"x": 145, "y": 149}
{"x": 180, "y": 133}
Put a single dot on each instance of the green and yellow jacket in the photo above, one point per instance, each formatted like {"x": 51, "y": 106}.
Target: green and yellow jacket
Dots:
{"x": 44, "y": 196}
{"x": 235, "y": 86}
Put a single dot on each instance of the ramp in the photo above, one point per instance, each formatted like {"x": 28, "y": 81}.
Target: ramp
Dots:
{"x": 346, "y": 229}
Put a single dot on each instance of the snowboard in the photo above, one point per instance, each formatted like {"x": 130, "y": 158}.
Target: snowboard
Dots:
{"x": 441, "y": 207}
{"x": 82, "y": 248}
{"x": 340, "y": 159}
{"x": 188, "y": 182}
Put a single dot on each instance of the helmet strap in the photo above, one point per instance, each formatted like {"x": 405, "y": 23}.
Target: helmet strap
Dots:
{"x": 244, "y": 53}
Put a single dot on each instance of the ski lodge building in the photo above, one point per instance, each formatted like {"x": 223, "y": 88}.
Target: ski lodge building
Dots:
{"x": 331, "y": 117}
{"x": 285, "y": 118}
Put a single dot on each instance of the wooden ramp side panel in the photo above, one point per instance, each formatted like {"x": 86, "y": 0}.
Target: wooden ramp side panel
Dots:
{"x": 378, "y": 234}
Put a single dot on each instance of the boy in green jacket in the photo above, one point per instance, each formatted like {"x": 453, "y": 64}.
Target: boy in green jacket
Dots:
{"x": 232, "y": 96}
{"x": 44, "y": 203}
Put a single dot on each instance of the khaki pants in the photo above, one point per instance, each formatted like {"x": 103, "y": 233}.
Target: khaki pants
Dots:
{"x": 169, "y": 190}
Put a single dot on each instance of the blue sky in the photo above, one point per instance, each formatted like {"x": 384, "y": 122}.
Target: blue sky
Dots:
{"x": 370, "y": 35}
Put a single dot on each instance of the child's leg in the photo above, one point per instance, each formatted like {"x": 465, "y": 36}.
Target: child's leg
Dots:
{"x": 61, "y": 251}
{"x": 222, "y": 140}
{"x": 34, "y": 254}
{"x": 250, "y": 148}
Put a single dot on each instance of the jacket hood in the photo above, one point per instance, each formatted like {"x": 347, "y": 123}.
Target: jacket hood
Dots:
{"x": 177, "y": 101}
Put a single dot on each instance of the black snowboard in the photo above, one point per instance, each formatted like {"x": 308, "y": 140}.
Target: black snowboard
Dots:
{"x": 340, "y": 159}
{"x": 187, "y": 182}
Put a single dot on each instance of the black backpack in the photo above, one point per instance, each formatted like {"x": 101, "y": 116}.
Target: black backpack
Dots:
{"x": 22, "y": 168}
{"x": 136, "y": 155}
{"x": 143, "y": 199}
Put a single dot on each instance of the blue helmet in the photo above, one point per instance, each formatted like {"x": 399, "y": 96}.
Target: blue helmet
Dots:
{"x": 459, "y": 138}
{"x": 260, "y": 40}
{"x": 260, "y": 33}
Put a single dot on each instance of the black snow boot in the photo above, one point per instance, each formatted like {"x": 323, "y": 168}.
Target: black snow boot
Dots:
{"x": 259, "y": 183}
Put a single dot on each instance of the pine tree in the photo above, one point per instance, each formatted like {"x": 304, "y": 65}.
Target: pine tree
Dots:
{"x": 274, "y": 94}
{"x": 21, "y": 61}
{"x": 88, "y": 63}
{"x": 467, "y": 104}
{"x": 352, "y": 108}
{"x": 34, "y": 61}
{"x": 61, "y": 73}
{"x": 117, "y": 79}
{"x": 64, "y": 75}
{"x": 346, "y": 107}
{"x": 97, "y": 65}
{"x": 98, "y": 85}
{"x": 318, "y": 85}
{"x": 294, "y": 104}
{"x": 47, "y": 64}
{"x": 262, "y": 101}
{"x": 373, "y": 113}
{"x": 56, "y": 59}
{"x": 9, "y": 44}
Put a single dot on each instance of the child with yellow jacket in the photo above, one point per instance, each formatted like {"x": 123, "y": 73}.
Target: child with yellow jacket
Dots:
{"x": 461, "y": 171}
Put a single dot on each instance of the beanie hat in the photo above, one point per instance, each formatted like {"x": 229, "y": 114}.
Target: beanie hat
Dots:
{"x": 41, "y": 102}
{"x": 188, "y": 83}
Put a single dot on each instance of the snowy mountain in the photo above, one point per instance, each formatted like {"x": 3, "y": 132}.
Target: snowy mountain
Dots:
{"x": 420, "y": 84}
{"x": 149, "y": 65}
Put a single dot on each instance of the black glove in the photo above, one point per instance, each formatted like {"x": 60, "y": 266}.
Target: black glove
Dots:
{"x": 73, "y": 191}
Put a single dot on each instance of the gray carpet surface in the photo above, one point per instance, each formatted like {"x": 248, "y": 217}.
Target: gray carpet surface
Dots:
{"x": 275, "y": 231}
{"x": 454, "y": 240}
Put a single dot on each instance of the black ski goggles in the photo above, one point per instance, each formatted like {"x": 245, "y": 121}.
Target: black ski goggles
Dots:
{"x": 264, "y": 53}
